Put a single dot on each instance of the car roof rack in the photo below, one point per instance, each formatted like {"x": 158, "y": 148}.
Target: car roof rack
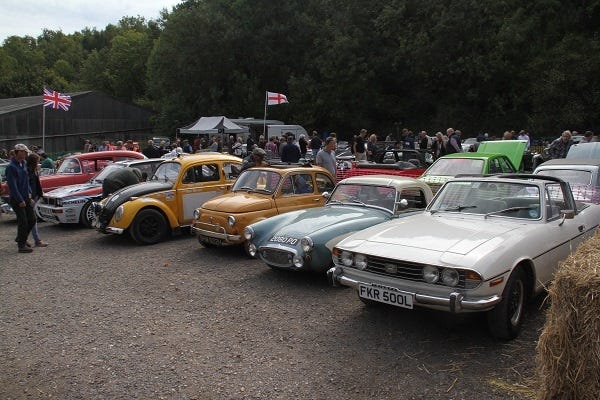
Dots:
{"x": 301, "y": 163}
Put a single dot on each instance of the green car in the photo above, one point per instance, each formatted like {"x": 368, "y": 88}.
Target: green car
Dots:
{"x": 303, "y": 239}
{"x": 493, "y": 157}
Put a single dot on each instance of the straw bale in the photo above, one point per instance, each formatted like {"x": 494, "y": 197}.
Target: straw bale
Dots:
{"x": 568, "y": 352}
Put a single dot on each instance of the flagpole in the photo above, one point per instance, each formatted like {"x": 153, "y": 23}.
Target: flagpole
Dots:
{"x": 265, "y": 116}
{"x": 43, "y": 125}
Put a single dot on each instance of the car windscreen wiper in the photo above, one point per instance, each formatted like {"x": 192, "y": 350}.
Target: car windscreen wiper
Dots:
{"x": 458, "y": 208}
{"x": 509, "y": 209}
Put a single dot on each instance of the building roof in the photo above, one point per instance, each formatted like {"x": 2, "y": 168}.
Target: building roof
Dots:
{"x": 21, "y": 103}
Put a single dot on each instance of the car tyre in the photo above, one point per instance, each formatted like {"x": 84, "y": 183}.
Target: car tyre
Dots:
{"x": 88, "y": 215}
{"x": 505, "y": 320}
{"x": 148, "y": 227}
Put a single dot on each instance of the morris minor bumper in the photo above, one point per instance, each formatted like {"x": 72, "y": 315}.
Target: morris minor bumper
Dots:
{"x": 455, "y": 302}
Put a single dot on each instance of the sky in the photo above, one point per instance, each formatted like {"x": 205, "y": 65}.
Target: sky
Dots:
{"x": 30, "y": 17}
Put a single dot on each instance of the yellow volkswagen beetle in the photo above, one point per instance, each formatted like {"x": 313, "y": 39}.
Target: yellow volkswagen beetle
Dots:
{"x": 165, "y": 204}
{"x": 257, "y": 194}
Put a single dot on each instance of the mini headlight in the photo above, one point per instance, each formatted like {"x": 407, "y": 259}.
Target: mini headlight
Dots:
{"x": 346, "y": 258}
{"x": 248, "y": 233}
{"x": 431, "y": 274}
{"x": 298, "y": 262}
{"x": 119, "y": 213}
{"x": 196, "y": 214}
{"x": 307, "y": 244}
{"x": 360, "y": 261}
{"x": 450, "y": 277}
{"x": 231, "y": 220}
{"x": 252, "y": 250}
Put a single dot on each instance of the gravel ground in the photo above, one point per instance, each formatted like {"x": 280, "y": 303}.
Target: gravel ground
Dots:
{"x": 95, "y": 316}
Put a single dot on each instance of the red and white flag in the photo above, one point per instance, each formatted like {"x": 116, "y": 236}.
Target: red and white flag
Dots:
{"x": 56, "y": 100}
{"x": 276, "y": 98}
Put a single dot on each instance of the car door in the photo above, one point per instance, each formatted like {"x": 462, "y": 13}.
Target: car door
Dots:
{"x": 198, "y": 183}
{"x": 298, "y": 191}
{"x": 561, "y": 237}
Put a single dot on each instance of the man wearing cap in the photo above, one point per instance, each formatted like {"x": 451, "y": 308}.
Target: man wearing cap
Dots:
{"x": 20, "y": 196}
{"x": 255, "y": 159}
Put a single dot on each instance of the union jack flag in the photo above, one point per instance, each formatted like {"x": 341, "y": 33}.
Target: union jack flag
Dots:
{"x": 55, "y": 100}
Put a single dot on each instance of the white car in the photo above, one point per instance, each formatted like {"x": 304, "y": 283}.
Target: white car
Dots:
{"x": 483, "y": 244}
{"x": 72, "y": 204}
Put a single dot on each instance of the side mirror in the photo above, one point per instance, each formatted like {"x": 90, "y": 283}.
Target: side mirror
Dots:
{"x": 403, "y": 203}
{"x": 566, "y": 214}
{"x": 326, "y": 195}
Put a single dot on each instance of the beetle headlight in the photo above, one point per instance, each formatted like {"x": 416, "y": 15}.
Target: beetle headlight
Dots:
{"x": 119, "y": 213}
{"x": 297, "y": 261}
{"x": 196, "y": 214}
{"x": 231, "y": 220}
{"x": 450, "y": 277}
{"x": 346, "y": 258}
{"x": 307, "y": 244}
{"x": 431, "y": 274}
{"x": 248, "y": 233}
{"x": 360, "y": 261}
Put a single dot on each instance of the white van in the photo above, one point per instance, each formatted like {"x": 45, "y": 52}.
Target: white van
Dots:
{"x": 281, "y": 130}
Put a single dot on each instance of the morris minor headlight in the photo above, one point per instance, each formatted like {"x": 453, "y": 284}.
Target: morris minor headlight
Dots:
{"x": 450, "y": 277}
{"x": 346, "y": 258}
{"x": 307, "y": 244}
{"x": 231, "y": 220}
{"x": 298, "y": 261}
{"x": 119, "y": 213}
{"x": 360, "y": 261}
{"x": 248, "y": 233}
{"x": 431, "y": 274}
{"x": 196, "y": 214}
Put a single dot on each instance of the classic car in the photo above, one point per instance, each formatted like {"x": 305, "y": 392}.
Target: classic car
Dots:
{"x": 400, "y": 162}
{"x": 501, "y": 156}
{"x": 165, "y": 204}
{"x": 73, "y": 204}
{"x": 483, "y": 244}
{"x": 260, "y": 193}
{"x": 4, "y": 206}
{"x": 303, "y": 239}
{"x": 583, "y": 174}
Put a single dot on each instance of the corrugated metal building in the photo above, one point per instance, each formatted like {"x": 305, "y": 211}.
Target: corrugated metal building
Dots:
{"x": 93, "y": 115}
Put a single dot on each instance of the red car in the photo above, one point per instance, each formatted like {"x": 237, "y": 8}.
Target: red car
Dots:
{"x": 80, "y": 168}
{"x": 408, "y": 162}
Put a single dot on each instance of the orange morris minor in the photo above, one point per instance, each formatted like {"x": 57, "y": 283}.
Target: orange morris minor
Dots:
{"x": 257, "y": 194}
{"x": 165, "y": 204}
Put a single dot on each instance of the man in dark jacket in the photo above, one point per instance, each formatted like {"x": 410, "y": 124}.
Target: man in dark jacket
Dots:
{"x": 20, "y": 196}
{"x": 120, "y": 178}
{"x": 290, "y": 153}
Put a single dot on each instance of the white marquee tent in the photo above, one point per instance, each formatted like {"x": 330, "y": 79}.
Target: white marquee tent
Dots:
{"x": 212, "y": 125}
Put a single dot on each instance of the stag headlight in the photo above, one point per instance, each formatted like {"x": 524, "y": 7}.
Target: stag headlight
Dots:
{"x": 450, "y": 277}
{"x": 360, "y": 261}
{"x": 346, "y": 258}
{"x": 431, "y": 274}
{"x": 119, "y": 213}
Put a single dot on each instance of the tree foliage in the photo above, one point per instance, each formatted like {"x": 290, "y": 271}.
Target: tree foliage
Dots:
{"x": 481, "y": 65}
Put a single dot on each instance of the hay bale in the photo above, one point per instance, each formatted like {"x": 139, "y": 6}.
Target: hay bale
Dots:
{"x": 568, "y": 352}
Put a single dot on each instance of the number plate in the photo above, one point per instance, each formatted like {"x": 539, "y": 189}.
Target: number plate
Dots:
{"x": 211, "y": 240}
{"x": 386, "y": 295}
{"x": 284, "y": 240}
